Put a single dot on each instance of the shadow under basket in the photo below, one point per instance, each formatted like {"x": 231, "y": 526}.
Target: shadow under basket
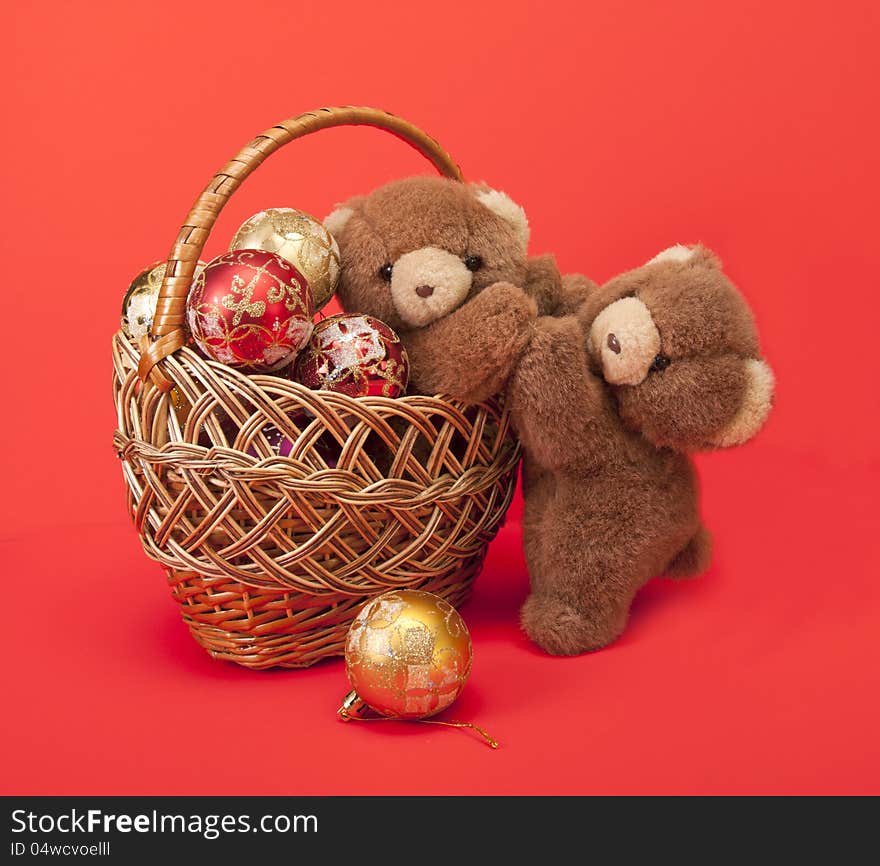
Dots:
{"x": 278, "y": 511}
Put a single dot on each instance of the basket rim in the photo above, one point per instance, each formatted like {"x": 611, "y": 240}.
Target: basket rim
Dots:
{"x": 282, "y": 383}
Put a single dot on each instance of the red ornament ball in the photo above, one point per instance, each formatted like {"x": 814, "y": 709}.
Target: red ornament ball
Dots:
{"x": 355, "y": 355}
{"x": 250, "y": 309}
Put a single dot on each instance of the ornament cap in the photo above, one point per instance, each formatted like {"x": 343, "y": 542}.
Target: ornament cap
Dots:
{"x": 352, "y": 707}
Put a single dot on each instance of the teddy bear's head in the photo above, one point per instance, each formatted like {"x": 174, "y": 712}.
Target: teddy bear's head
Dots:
{"x": 415, "y": 249}
{"x": 678, "y": 344}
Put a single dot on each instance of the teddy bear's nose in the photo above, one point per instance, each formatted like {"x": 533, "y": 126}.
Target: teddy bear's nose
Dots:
{"x": 613, "y": 343}
{"x": 424, "y": 291}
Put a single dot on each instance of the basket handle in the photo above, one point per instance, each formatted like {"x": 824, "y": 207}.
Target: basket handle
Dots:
{"x": 167, "y": 330}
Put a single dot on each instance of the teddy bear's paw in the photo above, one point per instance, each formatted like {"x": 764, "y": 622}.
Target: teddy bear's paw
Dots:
{"x": 507, "y": 302}
{"x": 492, "y": 330}
{"x": 562, "y": 629}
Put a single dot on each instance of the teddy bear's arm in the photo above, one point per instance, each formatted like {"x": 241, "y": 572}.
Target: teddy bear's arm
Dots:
{"x": 555, "y": 295}
{"x": 543, "y": 283}
{"x": 574, "y": 290}
{"x": 560, "y": 407}
{"x": 470, "y": 353}
{"x": 700, "y": 403}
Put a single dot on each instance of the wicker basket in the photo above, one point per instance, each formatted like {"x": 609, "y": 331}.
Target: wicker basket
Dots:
{"x": 269, "y": 557}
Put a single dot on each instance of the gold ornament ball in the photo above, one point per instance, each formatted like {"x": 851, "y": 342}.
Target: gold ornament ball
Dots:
{"x": 299, "y": 239}
{"x": 139, "y": 303}
{"x": 408, "y": 654}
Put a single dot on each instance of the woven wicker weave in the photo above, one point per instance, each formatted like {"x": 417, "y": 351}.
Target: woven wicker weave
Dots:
{"x": 271, "y": 557}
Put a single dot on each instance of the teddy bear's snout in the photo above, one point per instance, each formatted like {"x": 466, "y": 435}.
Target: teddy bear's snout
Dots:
{"x": 428, "y": 283}
{"x": 625, "y": 340}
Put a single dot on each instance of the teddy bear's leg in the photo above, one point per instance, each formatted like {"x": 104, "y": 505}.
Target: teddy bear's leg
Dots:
{"x": 555, "y": 615}
{"x": 585, "y": 562}
{"x": 566, "y": 627}
{"x": 694, "y": 558}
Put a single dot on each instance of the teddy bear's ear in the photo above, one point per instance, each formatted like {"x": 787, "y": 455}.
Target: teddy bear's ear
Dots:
{"x": 677, "y": 253}
{"x": 681, "y": 253}
{"x": 502, "y": 205}
{"x": 336, "y": 220}
{"x": 755, "y": 407}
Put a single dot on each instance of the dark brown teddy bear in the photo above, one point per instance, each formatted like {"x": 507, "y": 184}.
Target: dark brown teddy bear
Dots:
{"x": 660, "y": 361}
{"x": 445, "y": 265}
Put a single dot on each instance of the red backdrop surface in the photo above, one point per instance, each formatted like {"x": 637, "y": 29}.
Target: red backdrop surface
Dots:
{"x": 749, "y": 126}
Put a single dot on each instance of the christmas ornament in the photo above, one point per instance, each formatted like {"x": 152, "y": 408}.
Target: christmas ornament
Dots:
{"x": 250, "y": 309}
{"x": 408, "y": 654}
{"x": 355, "y": 355}
{"x": 299, "y": 239}
{"x": 280, "y": 445}
{"x": 139, "y": 303}
{"x": 228, "y": 428}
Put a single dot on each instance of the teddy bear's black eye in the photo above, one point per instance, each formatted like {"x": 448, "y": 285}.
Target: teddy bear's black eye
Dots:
{"x": 661, "y": 362}
{"x": 473, "y": 263}
{"x": 385, "y": 271}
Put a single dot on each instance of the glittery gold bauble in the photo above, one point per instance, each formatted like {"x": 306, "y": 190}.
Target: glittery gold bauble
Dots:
{"x": 139, "y": 303}
{"x": 301, "y": 240}
{"x": 408, "y": 654}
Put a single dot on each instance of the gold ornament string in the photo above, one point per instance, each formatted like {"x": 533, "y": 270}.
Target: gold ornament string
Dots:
{"x": 490, "y": 741}
{"x": 346, "y": 716}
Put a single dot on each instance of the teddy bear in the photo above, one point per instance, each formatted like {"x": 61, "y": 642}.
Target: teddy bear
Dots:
{"x": 445, "y": 265}
{"x": 607, "y": 401}
{"x": 609, "y": 387}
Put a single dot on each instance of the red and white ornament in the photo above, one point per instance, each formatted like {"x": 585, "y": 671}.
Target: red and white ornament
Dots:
{"x": 250, "y": 309}
{"x": 355, "y": 355}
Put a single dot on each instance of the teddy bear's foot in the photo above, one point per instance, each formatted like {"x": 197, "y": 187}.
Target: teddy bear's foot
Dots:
{"x": 565, "y": 630}
{"x": 694, "y": 558}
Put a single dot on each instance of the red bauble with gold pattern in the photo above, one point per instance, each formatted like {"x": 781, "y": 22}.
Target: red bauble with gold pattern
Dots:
{"x": 355, "y": 355}
{"x": 250, "y": 309}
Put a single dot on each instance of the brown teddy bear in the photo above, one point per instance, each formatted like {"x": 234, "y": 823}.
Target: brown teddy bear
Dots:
{"x": 660, "y": 361}
{"x": 445, "y": 265}
{"x": 608, "y": 386}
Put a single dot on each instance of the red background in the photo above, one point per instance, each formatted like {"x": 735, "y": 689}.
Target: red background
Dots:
{"x": 750, "y": 126}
